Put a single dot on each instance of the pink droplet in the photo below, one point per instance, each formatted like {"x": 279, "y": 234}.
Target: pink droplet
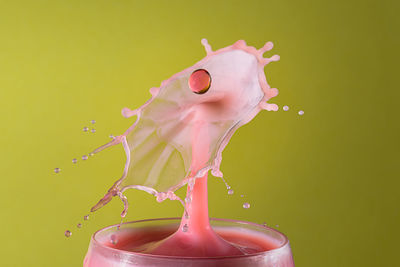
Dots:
{"x": 246, "y": 205}
{"x": 113, "y": 239}
{"x": 230, "y": 192}
{"x": 86, "y": 217}
{"x": 57, "y": 170}
{"x": 200, "y": 81}
{"x": 67, "y": 233}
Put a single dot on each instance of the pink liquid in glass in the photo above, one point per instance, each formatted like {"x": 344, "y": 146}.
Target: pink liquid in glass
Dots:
{"x": 191, "y": 242}
{"x": 124, "y": 247}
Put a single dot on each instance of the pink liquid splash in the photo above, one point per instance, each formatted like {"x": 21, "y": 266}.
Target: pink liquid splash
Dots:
{"x": 179, "y": 135}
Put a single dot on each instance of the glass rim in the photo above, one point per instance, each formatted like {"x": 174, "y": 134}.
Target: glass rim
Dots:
{"x": 138, "y": 254}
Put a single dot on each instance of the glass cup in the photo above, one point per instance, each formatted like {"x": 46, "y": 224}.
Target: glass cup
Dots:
{"x": 101, "y": 252}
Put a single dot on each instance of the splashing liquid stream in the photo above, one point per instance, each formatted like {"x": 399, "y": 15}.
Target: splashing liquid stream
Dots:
{"x": 196, "y": 236}
{"x": 180, "y": 133}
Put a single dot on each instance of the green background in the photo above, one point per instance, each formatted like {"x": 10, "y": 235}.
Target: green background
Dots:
{"x": 329, "y": 179}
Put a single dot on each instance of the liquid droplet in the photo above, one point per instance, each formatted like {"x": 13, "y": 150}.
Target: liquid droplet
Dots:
{"x": 113, "y": 239}
{"x": 241, "y": 195}
{"x": 185, "y": 228}
{"x": 93, "y": 130}
{"x": 91, "y": 154}
{"x": 86, "y": 217}
{"x": 68, "y": 233}
{"x": 230, "y": 192}
{"x": 285, "y": 108}
{"x": 277, "y": 225}
{"x": 246, "y": 205}
{"x": 79, "y": 225}
{"x": 200, "y": 81}
{"x": 92, "y": 121}
{"x": 74, "y": 161}
{"x": 112, "y": 136}
{"x": 57, "y": 170}
{"x": 301, "y": 112}
{"x": 84, "y": 157}
{"x": 85, "y": 129}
